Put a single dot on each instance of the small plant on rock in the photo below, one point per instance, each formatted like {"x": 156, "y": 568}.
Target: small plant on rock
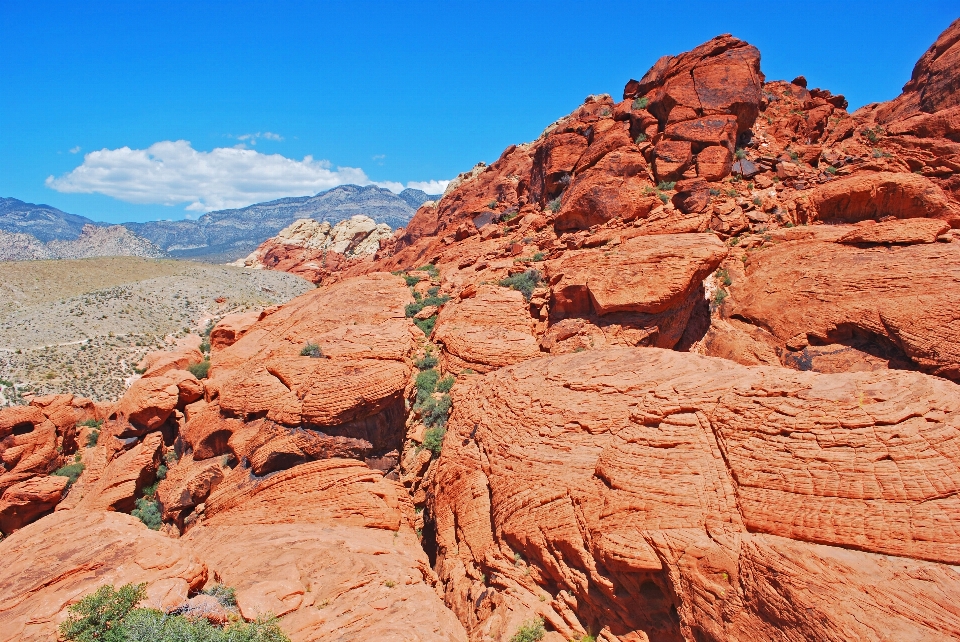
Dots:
{"x": 666, "y": 186}
{"x": 531, "y": 631}
{"x": 524, "y": 282}
{"x": 740, "y": 154}
{"x": 199, "y": 370}
{"x": 433, "y": 440}
{"x": 554, "y": 205}
{"x": 641, "y": 103}
{"x": 428, "y": 361}
{"x": 148, "y": 512}
{"x": 446, "y": 384}
{"x": 311, "y": 350}
{"x": 70, "y": 471}
{"x": 226, "y": 595}
{"x": 641, "y": 137}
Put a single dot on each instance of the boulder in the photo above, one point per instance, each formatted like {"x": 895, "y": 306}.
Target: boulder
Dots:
{"x": 670, "y": 496}
{"x": 891, "y": 304}
{"x": 898, "y": 232}
{"x": 82, "y": 551}
{"x": 230, "y": 328}
{"x": 673, "y": 157}
{"x": 24, "y": 502}
{"x": 714, "y": 163}
{"x": 350, "y": 565}
{"x": 877, "y": 195}
{"x": 489, "y": 330}
{"x": 124, "y": 478}
{"x": 150, "y": 401}
{"x": 616, "y": 187}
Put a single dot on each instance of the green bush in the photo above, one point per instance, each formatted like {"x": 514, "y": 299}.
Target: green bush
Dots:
{"x": 428, "y": 361}
{"x": 641, "y": 103}
{"x": 524, "y": 282}
{"x": 411, "y": 280}
{"x": 434, "y": 411}
{"x": 431, "y": 269}
{"x": 445, "y": 384}
{"x": 412, "y": 309}
{"x": 666, "y": 186}
{"x": 433, "y": 440}
{"x": 531, "y": 631}
{"x": 723, "y": 276}
{"x": 831, "y": 169}
{"x": 70, "y": 471}
{"x": 226, "y": 595}
{"x": 91, "y": 423}
{"x": 93, "y": 438}
{"x": 740, "y": 153}
{"x": 539, "y": 256}
{"x": 427, "y": 381}
{"x": 199, "y": 370}
{"x": 110, "y": 616}
{"x": 554, "y": 205}
{"x": 148, "y": 512}
{"x": 205, "y": 346}
{"x": 641, "y": 137}
{"x": 209, "y": 328}
{"x": 719, "y": 297}
{"x": 311, "y": 350}
{"x": 426, "y": 325}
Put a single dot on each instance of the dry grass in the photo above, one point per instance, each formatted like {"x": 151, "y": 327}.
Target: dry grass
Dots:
{"x": 80, "y": 326}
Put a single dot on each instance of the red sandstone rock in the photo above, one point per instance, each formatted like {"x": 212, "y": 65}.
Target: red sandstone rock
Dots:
{"x": 714, "y": 163}
{"x": 673, "y": 159}
{"x": 124, "y": 478}
{"x": 616, "y": 187}
{"x": 489, "y": 330}
{"x": 230, "y": 328}
{"x": 24, "y": 502}
{"x": 890, "y": 303}
{"x": 150, "y": 401}
{"x": 872, "y": 196}
{"x": 349, "y": 565}
{"x": 745, "y": 472}
{"x": 900, "y": 232}
{"x": 82, "y": 551}
{"x": 160, "y": 362}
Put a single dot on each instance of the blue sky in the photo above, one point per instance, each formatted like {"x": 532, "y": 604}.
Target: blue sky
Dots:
{"x": 396, "y": 93}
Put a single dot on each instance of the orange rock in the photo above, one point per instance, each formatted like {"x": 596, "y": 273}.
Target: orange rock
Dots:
{"x": 150, "y": 401}
{"x": 872, "y": 196}
{"x": 744, "y": 470}
{"x": 24, "y": 502}
{"x": 673, "y": 157}
{"x": 83, "y": 551}
{"x": 160, "y": 362}
{"x": 349, "y": 564}
{"x": 124, "y": 478}
{"x": 230, "y": 328}
{"x": 187, "y": 485}
{"x": 714, "y": 163}
{"x": 888, "y": 303}
{"x": 900, "y": 232}
{"x": 616, "y": 187}
{"x": 491, "y": 329}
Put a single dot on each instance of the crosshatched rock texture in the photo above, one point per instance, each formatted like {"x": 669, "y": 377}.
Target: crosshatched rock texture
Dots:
{"x": 580, "y": 487}
{"x": 56, "y": 561}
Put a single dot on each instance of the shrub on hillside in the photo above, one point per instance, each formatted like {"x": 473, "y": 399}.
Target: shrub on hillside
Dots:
{"x": 524, "y": 282}
{"x": 199, "y": 370}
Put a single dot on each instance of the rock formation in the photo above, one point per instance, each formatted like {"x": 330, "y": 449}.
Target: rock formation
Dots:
{"x": 314, "y": 250}
{"x": 683, "y": 368}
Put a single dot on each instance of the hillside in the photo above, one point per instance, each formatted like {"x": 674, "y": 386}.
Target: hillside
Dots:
{"x": 81, "y": 326}
{"x": 43, "y": 222}
{"x": 227, "y": 235}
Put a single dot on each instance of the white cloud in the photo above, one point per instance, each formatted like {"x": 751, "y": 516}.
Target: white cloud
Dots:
{"x": 430, "y": 187}
{"x": 75, "y": 150}
{"x": 173, "y": 173}
{"x": 252, "y": 138}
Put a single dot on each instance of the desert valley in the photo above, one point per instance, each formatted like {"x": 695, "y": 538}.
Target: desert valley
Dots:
{"x": 686, "y": 367}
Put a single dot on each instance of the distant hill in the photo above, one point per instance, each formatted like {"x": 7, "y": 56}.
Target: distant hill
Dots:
{"x": 227, "y": 235}
{"x": 42, "y": 222}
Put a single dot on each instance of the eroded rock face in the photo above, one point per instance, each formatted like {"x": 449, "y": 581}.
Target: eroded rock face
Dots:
{"x": 82, "y": 550}
{"x": 350, "y": 564}
{"x": 313, "y": 249}
{"x": 658, "y": 494}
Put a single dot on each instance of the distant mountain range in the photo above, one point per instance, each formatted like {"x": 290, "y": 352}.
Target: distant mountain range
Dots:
{"x": 29, "y": 231}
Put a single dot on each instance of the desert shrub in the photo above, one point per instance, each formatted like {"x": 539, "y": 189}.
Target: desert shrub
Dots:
{"x": 719, "y": 297}
{"x": 554, "y": 205}
{"x": 641, "y": 137}
{"x": 5, "y": 383}
{"x": 412, "y": 309}
{"x": 428, "y": 361}
{"x": 311, "y": 350}
{"x": 93, "y": 438}
{"x": 723, "y": 276}
{"x": 205, "y": 346}
{"x": 531, "y": 631}
{"x": 445, "y": 384}
{"x": 199, "y": 370}
{"x": 148, "y": 512}
{"x": 524, "y": 282}
{"x": 434, "y": 411}
{"x": 70, "y": 471}
{"x": 226, "y": 595}
{"x": 433, "y": 440}
{"x": 426, "y": 325}
{"x": 830, "y": 169}
{"x": 427, "y": 382}
{"x": 91, "y": 423}
{"x": 740, "y": 153}
{"x": 794, "y": 156}
{"x": 411, "y": 280}
{"x": 99, "y": 616}
{"x": 110, "y": 616}
{"x": 757, "y": 201}
{"x": 492, "y": 205}
{"x": 641, "y": 103}
{"x": 431, "y": 269}
{"x": 604, "y": 112}
{"x": 539, "y": 256}
{"x": 666, "y": 186}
